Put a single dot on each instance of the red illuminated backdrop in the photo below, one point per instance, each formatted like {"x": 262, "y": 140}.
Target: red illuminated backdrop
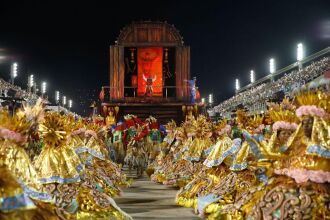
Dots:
{"x": 150, "y": 61}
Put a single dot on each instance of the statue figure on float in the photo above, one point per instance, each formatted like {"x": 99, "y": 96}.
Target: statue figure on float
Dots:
{"x": 149, "y": 84}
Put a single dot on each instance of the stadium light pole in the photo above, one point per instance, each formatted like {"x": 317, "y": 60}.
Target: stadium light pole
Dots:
{"x": 211, "y": 99}
{"x": 300, "y": 54}
{"x": 237, "y": 87}
{"x": 70, "y": 104}
{"x": 272, "y": 68}
{"x": 64, "y": 101}
{"x": 13, "y": 72}
{"x": 57, "y": 100}
{"x": 57, "y": 97}
{"x": 30, "y": 83}
{"x": 43, "y": 88}
{"x": 252, "y": 77}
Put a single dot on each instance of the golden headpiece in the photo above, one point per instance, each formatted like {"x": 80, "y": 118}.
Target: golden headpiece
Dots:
{"x": 255, "y": 123}
{"x": 283, "y": 115}
{"x": 180, "y": 132}
{"x": 313, "y": 104}
{"x": 170, "y": 126}
{"x": 203, "y": 126}
{"x": 129, "y": 116}
{"x": 222, "y": 127}
{"x": 190, "y": 127}
{"x": 54, "y": 130}
{"x": 241, "y": 118}
{"x": 33, "y": 113}
{"x": 14, "y": 127}
{"x": 77, "y": 124}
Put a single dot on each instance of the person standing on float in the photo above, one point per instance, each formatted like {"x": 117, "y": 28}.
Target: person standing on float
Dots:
{"x": 193, "y": 89}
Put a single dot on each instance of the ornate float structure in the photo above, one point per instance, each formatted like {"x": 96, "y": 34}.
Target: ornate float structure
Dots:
{"x": 149, "y": 73}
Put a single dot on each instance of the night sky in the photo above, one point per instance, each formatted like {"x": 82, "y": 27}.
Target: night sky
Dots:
{"x": 67, "y": 44}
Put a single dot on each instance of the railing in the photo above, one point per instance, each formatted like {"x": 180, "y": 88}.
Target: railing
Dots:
{"x": 308, "y": 59}
{"x": 8, "y": 90}
{"x": 131, "y": 91}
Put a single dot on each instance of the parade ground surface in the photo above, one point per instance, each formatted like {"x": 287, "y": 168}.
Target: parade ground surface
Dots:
{"x": 148, "y": 200}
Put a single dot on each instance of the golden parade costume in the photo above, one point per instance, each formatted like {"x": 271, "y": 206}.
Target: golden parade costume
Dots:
{"x": 214, "y": 168}
{"x": 90, "y": 147}
{"x": 284, "y": 123}
{"x": 206, "y": 178}
{"x": 202, "y": 140}
{"x": 224, "y": 142}
{"x": 165, "y": 162}
{"x": 57, "y": 162}
{"x": 242, "y": 156}
{"x": 18, "y": 179}
{"x": 305, "y": 167}
{"x": 182, "y": 170}
{"x": 166, "y": 155}
{"x": 76, "y": 191}
{"x": 14, "y": 203}
{"x": 295, "y": 190}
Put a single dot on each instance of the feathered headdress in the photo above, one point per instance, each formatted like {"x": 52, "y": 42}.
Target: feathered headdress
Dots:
{"x": 180, "y": 133}
{"x": 54, "y": 129}
{"x": 170, "y": 126}
{"x": 15, "y": 128}
{"x": 222, "y": 127}
{"x": 283, "y": 115}
{"x": 204, "y": 127}
{"x": 255, "y": 123}
{"x": 32, "y": 113}
{"x": 241, "y": 118}
{"x": 312, "y": 104}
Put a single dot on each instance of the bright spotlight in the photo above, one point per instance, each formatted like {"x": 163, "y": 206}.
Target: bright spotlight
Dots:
{"x": 300, "y": 52}
{"x": 43, "y": 87}
{"x": 237, "y": 87}
{"x": 57, "y": 96}
{"x": 211, "y": 98}
{"x": 14, "y": 70}
{"x": 252, "y": 76}
{"x": 64, "y": 100}
{"x": 31, "y": 81}
{"x": 272, "y": 68}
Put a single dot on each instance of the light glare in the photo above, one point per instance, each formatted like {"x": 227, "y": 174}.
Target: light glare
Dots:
{"x": 57, "y": 96}
{"x": 252, "y": 77}
{"x": 64, "y": 100}
{"x": 14, "y": 70}
{"x": 300, "y": 52}
{"x": 43, "y": 87}
{"x": 272, "y": 65}
{"x": 211, "y": 98}
{"x": 237, "y": 87}
{"x": 31, "y": 81}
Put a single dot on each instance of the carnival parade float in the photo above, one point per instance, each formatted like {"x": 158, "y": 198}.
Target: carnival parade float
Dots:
{"x": 266, "y": 154}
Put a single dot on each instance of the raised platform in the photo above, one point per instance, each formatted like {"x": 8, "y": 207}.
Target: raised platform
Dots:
{"x": 164, "y": 112}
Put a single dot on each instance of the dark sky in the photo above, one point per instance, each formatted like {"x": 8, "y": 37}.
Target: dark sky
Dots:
{"x": 67, "y": 44}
